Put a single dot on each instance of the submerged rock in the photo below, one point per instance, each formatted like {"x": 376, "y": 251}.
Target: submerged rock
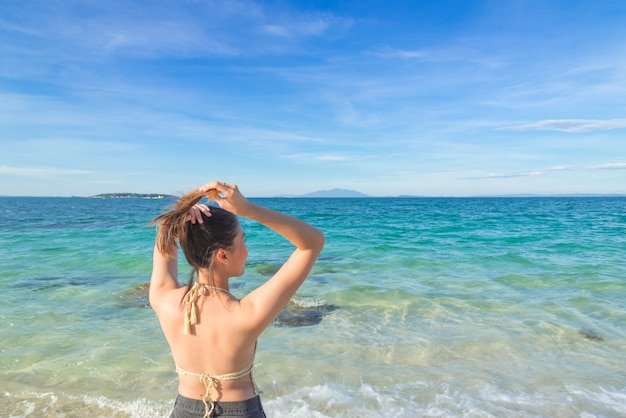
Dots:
{"x": 143, "y": 286}
{"x": 590, "y": 335}
{"x": 136, "y": 297}
{"x": 265, "y": 269}
{"x": 301, "y": 311}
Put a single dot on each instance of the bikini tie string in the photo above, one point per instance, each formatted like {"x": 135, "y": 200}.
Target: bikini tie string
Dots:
{"x": 191, "y": 303}
{"x": 209, "y": 383}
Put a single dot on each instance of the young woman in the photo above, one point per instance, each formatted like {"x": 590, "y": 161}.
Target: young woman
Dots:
{"x": 212, "y": 334}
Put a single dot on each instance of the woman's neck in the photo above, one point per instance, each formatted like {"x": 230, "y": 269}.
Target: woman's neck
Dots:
{"x": 212, "y": 279}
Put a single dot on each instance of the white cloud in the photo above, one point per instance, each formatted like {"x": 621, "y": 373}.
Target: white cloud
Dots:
{"x": 302, "y": 26}
{"x": 609, "y": 166}
{"x": 323, "y": 157}
{"x": 40, "y": 171}
{"x": 330, "y": 157}
{"x": 549, "y": 170}
{"x": 313, "y": 27}
{"x": 402, "y": 53}
{"x": 227, "y": 28}
{"x": 570, "y": 125}
{"x": 511, "y": 175}
{"x": 11, "y": 27}
{"x": 276, "y": 30}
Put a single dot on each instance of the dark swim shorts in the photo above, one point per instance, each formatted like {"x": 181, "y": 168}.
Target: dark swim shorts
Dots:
{"x": 194, "y": 408}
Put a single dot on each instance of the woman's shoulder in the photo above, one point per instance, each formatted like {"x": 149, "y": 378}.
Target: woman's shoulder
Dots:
{"x": 170, "y": 300}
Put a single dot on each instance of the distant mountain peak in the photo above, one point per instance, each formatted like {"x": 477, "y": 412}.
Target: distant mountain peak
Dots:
{"x": 335, "y": 193}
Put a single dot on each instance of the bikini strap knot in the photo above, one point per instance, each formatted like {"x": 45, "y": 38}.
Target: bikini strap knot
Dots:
{"x": 191, "y": 303}
{"x": 191, "y": 308}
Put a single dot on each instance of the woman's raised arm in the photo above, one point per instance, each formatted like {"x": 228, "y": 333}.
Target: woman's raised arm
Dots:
{"x": 262, "y": 306}
{"x": 165, "y": 266}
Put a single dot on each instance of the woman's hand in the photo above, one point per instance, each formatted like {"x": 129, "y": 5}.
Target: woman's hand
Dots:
{"x": 196, "y": 211}
{"x": 227, "y": 196}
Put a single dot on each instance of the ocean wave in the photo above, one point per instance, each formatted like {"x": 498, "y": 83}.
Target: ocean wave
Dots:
{"x": 422, "y": 399}
{"x": 400, "y": 400}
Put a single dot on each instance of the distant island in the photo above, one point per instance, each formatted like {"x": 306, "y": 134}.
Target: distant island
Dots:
{"x": 319, "y": 193}
{"x": 132, "y": 196}
{"x": 348, "y": 193}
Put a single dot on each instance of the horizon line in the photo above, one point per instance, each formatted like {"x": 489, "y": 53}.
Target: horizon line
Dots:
{"x": 401, "y": 196}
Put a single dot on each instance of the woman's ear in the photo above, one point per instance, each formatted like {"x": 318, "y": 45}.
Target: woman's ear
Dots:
{"x": 222, "y": 256}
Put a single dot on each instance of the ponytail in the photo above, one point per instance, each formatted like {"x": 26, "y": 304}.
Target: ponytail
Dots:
{"x": 172, "y": 224}
{"x": 198, "y": 241}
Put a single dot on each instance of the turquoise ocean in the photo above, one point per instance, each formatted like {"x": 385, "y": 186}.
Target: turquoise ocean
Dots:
{"x": 437, "y": 307}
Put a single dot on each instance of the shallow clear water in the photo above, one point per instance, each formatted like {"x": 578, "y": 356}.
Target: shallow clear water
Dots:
{"x": 417, "y": 307}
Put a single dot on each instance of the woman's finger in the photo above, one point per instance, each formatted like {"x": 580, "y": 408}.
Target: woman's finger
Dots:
{"x": 212, "y": 185}
{"x": 218, "y": 190}
{"x": 191, "y": 216}
{"x": 195, "y": 213}
{"x": 204, "y": 209}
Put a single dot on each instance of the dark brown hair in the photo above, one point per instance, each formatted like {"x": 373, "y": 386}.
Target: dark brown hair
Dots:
{"x": 198, "y": 241}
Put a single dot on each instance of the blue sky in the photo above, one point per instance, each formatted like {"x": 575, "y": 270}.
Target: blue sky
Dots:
{"x": 454, "y": 98}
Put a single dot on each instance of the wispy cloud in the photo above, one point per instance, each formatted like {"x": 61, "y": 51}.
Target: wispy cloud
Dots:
{"x": 40, "y": 171}
{"x": 324, "y": 157}
{"x": 331, "y": 157}
{"x": 569, "y": 125}
{"x": 156, "y": 29}
{"x": 302, "y": 25}
{"x": 550, "y": 170}
{"x": 404, "y": 53}
{"x": 155, "y": 38}
{"x": 532, "y": 173}
{"x": 609, "y": 166}
{"x": 5, "y": 25}
{"x": 276, "y": 30}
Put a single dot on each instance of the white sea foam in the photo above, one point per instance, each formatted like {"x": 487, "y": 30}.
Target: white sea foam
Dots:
{"x": 612, "y": 400}
{"x": 28, "y": 408}
{"x": 27, "y": 404}
{"x": 137, "y": 408}
{"x": 308, "y": 301}
{"x": 444, "y": 400}
{"x": 419, "y": 399}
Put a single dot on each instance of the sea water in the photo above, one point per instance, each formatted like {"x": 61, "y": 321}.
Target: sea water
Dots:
{"x": 476, "y": 307}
